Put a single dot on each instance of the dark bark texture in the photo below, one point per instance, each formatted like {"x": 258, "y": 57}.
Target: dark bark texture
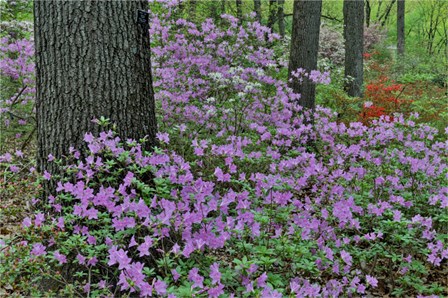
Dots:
{"x": 272, "y": 14}
{"x": 92, "y": 60}
{"x": 400, "y": 27}
{"x": 354, "y": 39}
{"x": 281, "y": 17}
{"x": 304, "y": 47}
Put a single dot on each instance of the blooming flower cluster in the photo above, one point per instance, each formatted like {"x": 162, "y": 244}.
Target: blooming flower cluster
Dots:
{"x": 244, "y": 197}
{"x": 385, "y": 96}
{"x": 309, "y": 214}
{"x": 16, "y": 65}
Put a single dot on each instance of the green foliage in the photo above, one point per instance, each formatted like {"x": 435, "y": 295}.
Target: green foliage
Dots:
{"x": 380, "y": 247}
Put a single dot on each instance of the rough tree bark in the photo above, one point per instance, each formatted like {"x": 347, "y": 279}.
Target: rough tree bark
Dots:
{"x": 92, "y": 60}
{"x": 354, "y": 39}
{"x": 257, "y": 10}
{"x": 281, "y": 17}
{"x": 304, "y": 47}
{"x": 400, "y": 27}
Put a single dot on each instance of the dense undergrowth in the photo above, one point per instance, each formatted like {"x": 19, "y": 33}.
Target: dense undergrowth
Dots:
{"x": 243, "y": 197}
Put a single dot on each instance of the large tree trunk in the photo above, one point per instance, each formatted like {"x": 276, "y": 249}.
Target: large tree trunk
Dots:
{"x": 354, "y": 37}
{"x": 400, "y": 27}
{"x": 257, "y": 10}
{"x": 281, "y": 17}
{"x": 92, "y": 60}
{"x": 304, "y": 47}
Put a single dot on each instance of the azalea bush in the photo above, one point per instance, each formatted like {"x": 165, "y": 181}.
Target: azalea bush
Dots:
{"x": 385, "y": 96}
{"x": 243, "y": 196}
{"x": 331, "y": 43}
{"x": 367, "y": 209}
{"x": 374, "y": 36}
{"x": 16, "y": 74}
{"x": 18, "y": 87}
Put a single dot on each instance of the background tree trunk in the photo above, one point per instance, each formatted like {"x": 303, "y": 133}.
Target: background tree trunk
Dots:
{"x": 385, "y": 16}
{"x": 281, "y": 17}
{"x": 304, "y": 47}
{"x": 368, "y": 12}
{"x": 354, "y": 37}
{"x": 272, "y": 14}
{"x": 92, "y": 60}
{"x": 257, "y": 10}
{"x": 400, "y": 27}
{"x": 380, "y": 2}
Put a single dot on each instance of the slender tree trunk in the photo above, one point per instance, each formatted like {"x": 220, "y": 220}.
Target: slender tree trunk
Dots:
{"x": 239, "y": 11}
{"x": 444, "y": 43}
{"x": 272, "y": 14}
{"x": 400, "y": 27}
{"x": 281, "y": 17}
{"x": 354, "y": 37}
{"x": 380, "y": 2}
{"x": 368, "y": 11}
{"x": 257, "y": 10}
{"x": 92, "y": 60}
{"x": 385, "y": 16}
{"x": 304, "y": 48}
{"x": 436, "y": 12}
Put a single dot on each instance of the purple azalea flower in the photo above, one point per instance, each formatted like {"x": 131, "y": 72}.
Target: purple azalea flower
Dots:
{"x": 38, "y": 249}
{"x": 60, "y": 257}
